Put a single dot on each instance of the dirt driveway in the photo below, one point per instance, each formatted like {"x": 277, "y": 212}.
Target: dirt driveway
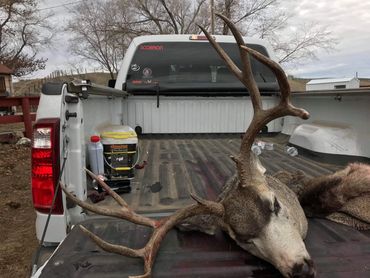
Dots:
{"x": 17, "y": 216}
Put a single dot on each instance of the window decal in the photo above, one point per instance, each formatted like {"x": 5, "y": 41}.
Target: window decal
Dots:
{"x": 151, "y": 47}
{"x": 135, "y": 67}
{"x": 147, "y": 73}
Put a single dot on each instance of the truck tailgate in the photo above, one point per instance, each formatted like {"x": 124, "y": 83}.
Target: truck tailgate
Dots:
{"x": 338, "y": 251}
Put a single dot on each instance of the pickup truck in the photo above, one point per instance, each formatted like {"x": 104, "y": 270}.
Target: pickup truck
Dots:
{"x": 188, "y": 111}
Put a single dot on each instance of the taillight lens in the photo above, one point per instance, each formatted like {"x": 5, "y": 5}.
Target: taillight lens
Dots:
{"x": 46, "y": 166}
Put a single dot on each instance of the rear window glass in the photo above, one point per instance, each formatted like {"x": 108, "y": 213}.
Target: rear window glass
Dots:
{"x": 191, "y": 65}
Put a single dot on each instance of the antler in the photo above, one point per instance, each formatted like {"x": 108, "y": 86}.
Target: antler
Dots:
{"x": 261, "y": 117}
{"x": 161, "y": 227}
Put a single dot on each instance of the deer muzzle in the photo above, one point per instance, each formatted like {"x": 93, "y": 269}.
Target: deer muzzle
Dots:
{"x": 303, "y": 270}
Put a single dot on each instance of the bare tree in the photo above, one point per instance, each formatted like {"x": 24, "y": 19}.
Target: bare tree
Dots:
{"x": 172, "y": 16}
{"x": 258, "y": 18}
{"x": 264, "y": 19}
{"x": 242, "y": 11}
{"x": 23, "y": 32}
{"x": 101, "y": 32}
{"x": 303, "y": 43}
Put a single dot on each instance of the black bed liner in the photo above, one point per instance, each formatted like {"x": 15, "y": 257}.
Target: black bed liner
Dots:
{"x": 338, "y": 251}
{"x": 175, "y": 164}
{"x": 178, "y": 164}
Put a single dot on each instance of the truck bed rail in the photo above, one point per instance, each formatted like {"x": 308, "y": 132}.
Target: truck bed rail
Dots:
{"x": 84, "y": 88}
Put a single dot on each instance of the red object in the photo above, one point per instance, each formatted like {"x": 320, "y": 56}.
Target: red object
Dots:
{"x": 95, "y": 138}
{"x": 96, "y": 197}
{"x": 27, "y": 117}
{"x": 5, "y": 70}
{"x": 151, "y": 47}
{"x": 46, "y": 166}
{"x": 141, "y": 166}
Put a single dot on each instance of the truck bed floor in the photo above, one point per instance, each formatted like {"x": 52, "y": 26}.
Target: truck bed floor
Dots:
{"x": 175, "y": 165}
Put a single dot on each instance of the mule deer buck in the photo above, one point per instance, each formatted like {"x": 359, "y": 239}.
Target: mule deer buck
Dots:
{"x": 259, "y": 212}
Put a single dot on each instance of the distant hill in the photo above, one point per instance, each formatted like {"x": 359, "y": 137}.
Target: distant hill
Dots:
{"x": 33, "y": 86}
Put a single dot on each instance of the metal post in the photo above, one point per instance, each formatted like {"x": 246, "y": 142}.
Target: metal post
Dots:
{"x": 27, "y": 117}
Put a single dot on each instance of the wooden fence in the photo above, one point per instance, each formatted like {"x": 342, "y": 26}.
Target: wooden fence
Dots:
{"x": 26, "y": 117}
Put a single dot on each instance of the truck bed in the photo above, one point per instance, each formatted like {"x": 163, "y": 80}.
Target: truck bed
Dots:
{"x": 175, "y": 165}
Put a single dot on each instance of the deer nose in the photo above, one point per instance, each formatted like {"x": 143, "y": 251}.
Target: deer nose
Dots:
{"x": 303, "y": 270}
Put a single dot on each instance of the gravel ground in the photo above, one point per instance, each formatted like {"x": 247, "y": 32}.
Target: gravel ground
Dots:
{"x": 17, "y": 216}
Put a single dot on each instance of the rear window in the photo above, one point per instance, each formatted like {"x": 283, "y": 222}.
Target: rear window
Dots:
{"x": 190, "y": 66}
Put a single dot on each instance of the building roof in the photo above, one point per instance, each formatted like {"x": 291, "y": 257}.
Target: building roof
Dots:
{"x": 5, "y": 70}
{"x": 330, "y": 80}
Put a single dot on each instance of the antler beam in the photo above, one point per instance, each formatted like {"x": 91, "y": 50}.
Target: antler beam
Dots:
{"x": 161, "y": 227}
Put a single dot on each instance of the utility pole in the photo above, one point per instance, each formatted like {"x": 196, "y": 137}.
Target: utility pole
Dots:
{"x": 212, "y": 16}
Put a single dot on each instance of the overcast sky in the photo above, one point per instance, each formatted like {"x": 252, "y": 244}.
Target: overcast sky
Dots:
{"x": 349, "y": 21}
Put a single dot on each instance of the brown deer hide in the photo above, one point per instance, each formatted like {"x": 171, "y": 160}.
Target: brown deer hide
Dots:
{"x": 343, "y": 196}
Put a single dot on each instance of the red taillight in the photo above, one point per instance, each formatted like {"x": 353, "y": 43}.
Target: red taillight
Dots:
{"x": 46, "y": 166}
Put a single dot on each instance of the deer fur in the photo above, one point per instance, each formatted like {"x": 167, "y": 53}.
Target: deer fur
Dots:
{"x": 343, "y": 196}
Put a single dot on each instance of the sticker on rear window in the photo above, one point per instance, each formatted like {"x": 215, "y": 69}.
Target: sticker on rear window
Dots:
{"x": 147, "y": 72}
{"x": 151, "y": 47}
{"x": 135, "y": 67}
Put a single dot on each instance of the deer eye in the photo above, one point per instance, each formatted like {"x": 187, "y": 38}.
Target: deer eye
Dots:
{"x": 245, "y": 239}
{"x": 276, "y": 207}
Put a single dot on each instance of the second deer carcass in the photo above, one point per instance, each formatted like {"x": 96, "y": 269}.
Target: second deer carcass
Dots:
{"x": 258, "y": 211}
{"x": 343, "y": 196}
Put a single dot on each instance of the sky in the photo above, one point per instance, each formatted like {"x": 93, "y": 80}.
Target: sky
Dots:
{"x": 348, "y": 20}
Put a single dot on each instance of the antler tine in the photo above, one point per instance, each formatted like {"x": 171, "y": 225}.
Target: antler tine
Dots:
{"x": 229, "y": 62}
{"x": 109, "y": 190}
{"x": 238, "y": 37}
{"x": 109, "y": 247}
{"x": 275, "y": 67}
{"x": 247, "y": 75}
{"x": 121, "y": 212}
{"x": 120, "y": 250}
{"x": 283, "y": 109}
{"x": 149, "y": 252}
{"x": 283, "y": 85}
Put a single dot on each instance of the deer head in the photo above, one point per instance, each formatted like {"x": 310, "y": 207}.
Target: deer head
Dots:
{"x": 259, "y": 212}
